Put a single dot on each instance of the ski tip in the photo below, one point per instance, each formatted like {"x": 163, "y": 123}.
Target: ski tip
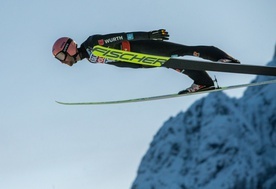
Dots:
{"x": 63, "y": 103}
{"x": 75, "y": 103}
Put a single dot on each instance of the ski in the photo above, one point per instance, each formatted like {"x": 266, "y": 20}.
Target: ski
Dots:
{"x": 176, "y": 63}
{"x": 151, "y": 98}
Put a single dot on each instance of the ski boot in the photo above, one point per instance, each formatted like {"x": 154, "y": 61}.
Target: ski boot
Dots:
{"x": 196, "y": 88}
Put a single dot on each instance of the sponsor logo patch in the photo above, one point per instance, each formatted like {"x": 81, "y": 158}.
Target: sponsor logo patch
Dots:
{"x": 101, "y": 42}
{"x": 196, "y": 54}
{"x": 126, "y": 56}
{"x": 97, "y": 59}
{"x": 113, "y": 39}
{"x": 130, "y": 36}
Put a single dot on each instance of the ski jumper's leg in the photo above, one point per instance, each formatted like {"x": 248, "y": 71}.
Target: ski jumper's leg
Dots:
{"x": 171, "y": 49}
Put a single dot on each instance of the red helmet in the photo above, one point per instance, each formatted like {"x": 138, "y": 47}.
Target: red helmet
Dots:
{"x": 64, "y": 46}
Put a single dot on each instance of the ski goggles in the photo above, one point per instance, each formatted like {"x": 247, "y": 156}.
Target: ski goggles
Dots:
{"x": 61, "y": 56}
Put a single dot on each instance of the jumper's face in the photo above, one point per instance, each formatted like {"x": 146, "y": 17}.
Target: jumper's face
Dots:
{"x": 66, "y": 58}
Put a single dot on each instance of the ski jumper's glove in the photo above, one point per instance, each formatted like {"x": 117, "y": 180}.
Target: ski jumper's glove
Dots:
{"x": 161, "y": 34}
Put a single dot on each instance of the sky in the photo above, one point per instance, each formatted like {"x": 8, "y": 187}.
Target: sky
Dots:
{"x": 49, "y": 146}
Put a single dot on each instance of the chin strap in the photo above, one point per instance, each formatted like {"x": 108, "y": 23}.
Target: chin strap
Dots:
{"x": 75, "y": 57}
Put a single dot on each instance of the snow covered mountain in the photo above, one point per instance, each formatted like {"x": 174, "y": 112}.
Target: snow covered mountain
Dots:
{"x": 218, "y": 143}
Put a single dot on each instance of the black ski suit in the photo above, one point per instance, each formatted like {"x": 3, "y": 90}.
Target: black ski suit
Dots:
{"x": 140, "y": 42}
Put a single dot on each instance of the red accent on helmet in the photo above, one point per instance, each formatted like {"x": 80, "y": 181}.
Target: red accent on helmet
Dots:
{"x": 66, "y": 45}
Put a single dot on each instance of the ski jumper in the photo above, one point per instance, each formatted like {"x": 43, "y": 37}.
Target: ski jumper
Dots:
{"x": 140, "y": 42}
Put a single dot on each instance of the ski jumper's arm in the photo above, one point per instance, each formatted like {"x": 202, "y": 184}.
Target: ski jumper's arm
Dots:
{"x": 112, "y": 39}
